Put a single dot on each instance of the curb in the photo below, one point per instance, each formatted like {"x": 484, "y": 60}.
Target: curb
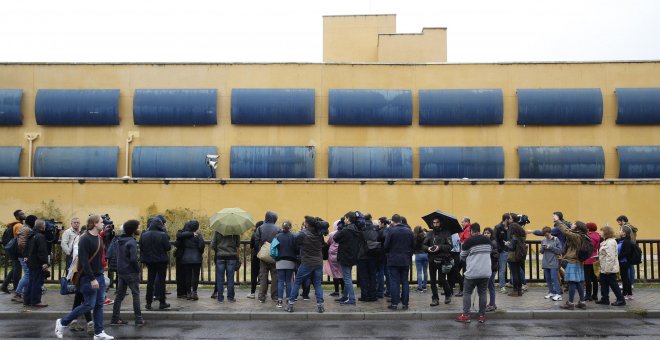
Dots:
{"x": 354, "y": 316}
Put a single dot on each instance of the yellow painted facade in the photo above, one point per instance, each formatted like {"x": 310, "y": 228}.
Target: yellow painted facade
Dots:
{"x": 429, "y": 46}
{"x": 484, "y": 202}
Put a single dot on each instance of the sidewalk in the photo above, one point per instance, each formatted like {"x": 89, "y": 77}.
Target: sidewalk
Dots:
{"x": 531, "y": 306}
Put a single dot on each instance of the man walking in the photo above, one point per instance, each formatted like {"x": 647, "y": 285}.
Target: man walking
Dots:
{"x": 92, "y": 281}
{"x": 67, "y": 239}
{"x": 476, "y": 255}
{"x": 399, "y": 247}
{"x": 37, "y": 263}
{"x": 10, "y": 233}
{"x": 128, "y": 273}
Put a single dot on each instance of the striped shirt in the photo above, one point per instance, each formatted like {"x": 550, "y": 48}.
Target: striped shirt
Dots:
{"x": 476, "y": 254}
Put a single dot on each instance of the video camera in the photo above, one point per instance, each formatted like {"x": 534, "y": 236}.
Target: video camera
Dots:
{"x": 322, "y": 227}
{"x": 107, "y": 222}
{"x": 521, "y": 219}
{"x": 52, "y": 230}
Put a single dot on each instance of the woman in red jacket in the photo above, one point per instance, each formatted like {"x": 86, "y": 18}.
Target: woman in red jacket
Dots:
{"x": 589, "y": 273}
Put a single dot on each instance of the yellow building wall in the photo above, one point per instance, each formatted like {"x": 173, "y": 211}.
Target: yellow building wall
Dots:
{"x": 354, "y": 38}
{"x": 481, "y": 201}
{"x": 429, "y": 46}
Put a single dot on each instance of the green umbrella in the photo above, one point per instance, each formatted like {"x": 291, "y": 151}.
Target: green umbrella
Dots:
{"x": 232, "y": 221}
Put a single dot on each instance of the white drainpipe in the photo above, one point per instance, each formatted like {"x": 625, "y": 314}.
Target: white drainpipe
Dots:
{"x": 30, "y": 136}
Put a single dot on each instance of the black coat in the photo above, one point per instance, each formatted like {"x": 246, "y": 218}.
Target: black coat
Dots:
{"x": 193, "y": 248}
{"x": 37, "y": 253}
{"x": 126, "y": 251}
{"x": 440, "y": 237}
{"x": 399, "y": 245}
{"x": 155, "y": 243}
{"x": 348, "y": 239}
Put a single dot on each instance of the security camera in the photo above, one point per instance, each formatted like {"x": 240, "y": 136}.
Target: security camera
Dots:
{"x": 212, "y": 157}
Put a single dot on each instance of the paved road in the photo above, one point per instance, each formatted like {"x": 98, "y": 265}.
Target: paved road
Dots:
{"x": 500, "y": 329}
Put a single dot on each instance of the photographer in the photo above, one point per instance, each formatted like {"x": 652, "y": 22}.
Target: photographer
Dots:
{"x": 310, "y": 241}
{"x": 107, "y": 235}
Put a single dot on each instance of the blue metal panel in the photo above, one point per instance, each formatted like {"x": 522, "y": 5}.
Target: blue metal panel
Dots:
{"x": 369, "y": 162}
{"x": 460, "y": 107}
{"x": 272, "y": 162}
{"x": 560, "y": 106}
{"x": 461, "y": 162}
{"x": 638, "y": 106}
{"x": 77, "y": 107}
{"x": 272, "y": 106}
{"x": 84, "y": 161}
{"x": 171, "y": 161}
{"x": 370, "y": 107}
{"x": 9, "y": 157}
{"x": 10, "y": 107}
{"x": 639, "y": 161}
{"x": 562, "y": 162}
{"x": 175, "y": 107}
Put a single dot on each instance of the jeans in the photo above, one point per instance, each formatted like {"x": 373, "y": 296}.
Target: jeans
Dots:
{"x": 482, "y": 286}
{"x": 572, "y": 286}
{"x": 347, "y": 273}
{"x": 77, "y": 301}
{"x": 254, "y": 273}
{"x": 306, "y": 286}
{"x": 435, "y": 270}
{"x": 32, "y": 293}
{"x": 491, "y": 289}
{"x": 131, "y": 281}
{"x": 367, "y": 278}
{"x": 631, "y": 275}
{"x": 399, "y": 277}
{"x": 192, "y": 277}
{"x": 264, "y": 269}
{"x": 591, "y": 281}
{"x": 284, "y": 282}
{"x": 625, "y": 279}
{"x": 422, "y": 265}
{"x": 380, "y": 278}
{"x": 608, "y": 281}
{"x": 316, "y": 273}
{"x": 502, "y": 269}
{"x": 156, "y": 281}
{"x": 14, "y": 274}
{"x": 20, "y": 289}
{"x": 222, "y": 268}
{"x": 552, "y": 279}
{"x": 92, "y": 300}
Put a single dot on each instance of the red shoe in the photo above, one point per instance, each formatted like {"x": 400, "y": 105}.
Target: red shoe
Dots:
{"x": 40, "y": 305}
{"x": 108, "y": 302}
{"x": 464, "y": 318}
{"x": 482, "y": 318}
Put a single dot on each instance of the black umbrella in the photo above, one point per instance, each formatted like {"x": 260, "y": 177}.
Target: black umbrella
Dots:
{"x": 447, "y": 221}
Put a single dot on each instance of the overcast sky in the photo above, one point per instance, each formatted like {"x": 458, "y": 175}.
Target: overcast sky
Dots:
{"x": 292, "y": 30}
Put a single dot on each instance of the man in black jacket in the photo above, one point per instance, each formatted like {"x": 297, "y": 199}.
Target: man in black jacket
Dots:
{"x": 369, "y": 258}
{"x": 92, "y": 281}
{"x": 348, "y": 238}
{"x": 154, "y": 245}
{"x": 399, "y": 246}
{"x": 37, "y": 263}
{"x": 438, "y": 244}
{"x": 128, "y": 273}
{"x": 501, "y": 236}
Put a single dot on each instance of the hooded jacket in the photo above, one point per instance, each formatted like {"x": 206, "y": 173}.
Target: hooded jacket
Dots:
{"x": 127, "y": 259}
{"x": 287, "y": 249}
{"x": 155, "y": 243}
{"x": 37, "y": 251}
{"x": 348, "y": 239}
{"x": 192, "y": 246}
{"x": 267, "y": 231}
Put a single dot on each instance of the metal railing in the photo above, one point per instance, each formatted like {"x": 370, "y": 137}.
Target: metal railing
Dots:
{"x": 647, "y": 271}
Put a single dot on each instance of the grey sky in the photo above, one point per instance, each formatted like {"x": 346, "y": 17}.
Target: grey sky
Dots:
{"x": 292, "y": 30}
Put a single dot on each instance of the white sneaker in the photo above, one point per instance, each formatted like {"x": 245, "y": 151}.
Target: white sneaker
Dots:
{"x": 549, "y": 296}
{"x": 59, "y": 328}
{"x": 503, "y": 290}
{"x": 250, "y": 296}
{"x": 557, "y": 297}
{"x": 90, "y": 327}
{"x": 524, "y": 287}
{"x": 103, "y": 336}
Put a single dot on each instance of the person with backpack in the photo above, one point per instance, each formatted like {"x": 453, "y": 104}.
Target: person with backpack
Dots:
{"x": 608, "y": 257}
{"x": 627, "y": 258}
{"x": 11, "y": 233}
{"x": 286, "y": 261}
{"x": 21, "y": 251}
{"x": 266, "y": 233}
{"x": 398, "y": 246}
{"x": 128, "y": 272}
{"x": 551, "y": 250}
{"x": 191, "y": 259}
{"x": 590, "y": 277}
{"x": 154, "y": 248}
{"x": 622, "y": 220}
{"x": 371, "y": 250}
{"x": 516, "y": 258}
{"x": 348, "y": 238}
{"x": 578, "y": 249}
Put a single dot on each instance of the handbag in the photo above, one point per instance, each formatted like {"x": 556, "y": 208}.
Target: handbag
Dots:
{"x": 264, "y": 253}
{"x": 75, "y": 278}
{"x": 66, "y": 286}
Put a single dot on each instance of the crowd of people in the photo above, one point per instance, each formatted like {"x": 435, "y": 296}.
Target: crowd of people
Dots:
{"x": 382, "y": 251}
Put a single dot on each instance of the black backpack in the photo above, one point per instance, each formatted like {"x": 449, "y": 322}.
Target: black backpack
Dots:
{"x": 370, "y": 235}
{"x": 586, "y": 248}
{"x": 636, "y": 254}
{"x": 8, "y": 235}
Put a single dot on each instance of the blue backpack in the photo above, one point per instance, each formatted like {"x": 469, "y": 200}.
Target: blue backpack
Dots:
{"x": 274, "y": 251}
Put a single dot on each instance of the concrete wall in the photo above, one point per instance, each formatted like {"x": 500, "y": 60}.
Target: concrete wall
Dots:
{"x": 354, "y": 38}
{"x": 485, "y": 202}
{"x": 429, "y": 46}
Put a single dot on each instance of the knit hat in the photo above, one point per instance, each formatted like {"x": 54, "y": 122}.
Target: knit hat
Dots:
{"x": 591, "y": 226}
